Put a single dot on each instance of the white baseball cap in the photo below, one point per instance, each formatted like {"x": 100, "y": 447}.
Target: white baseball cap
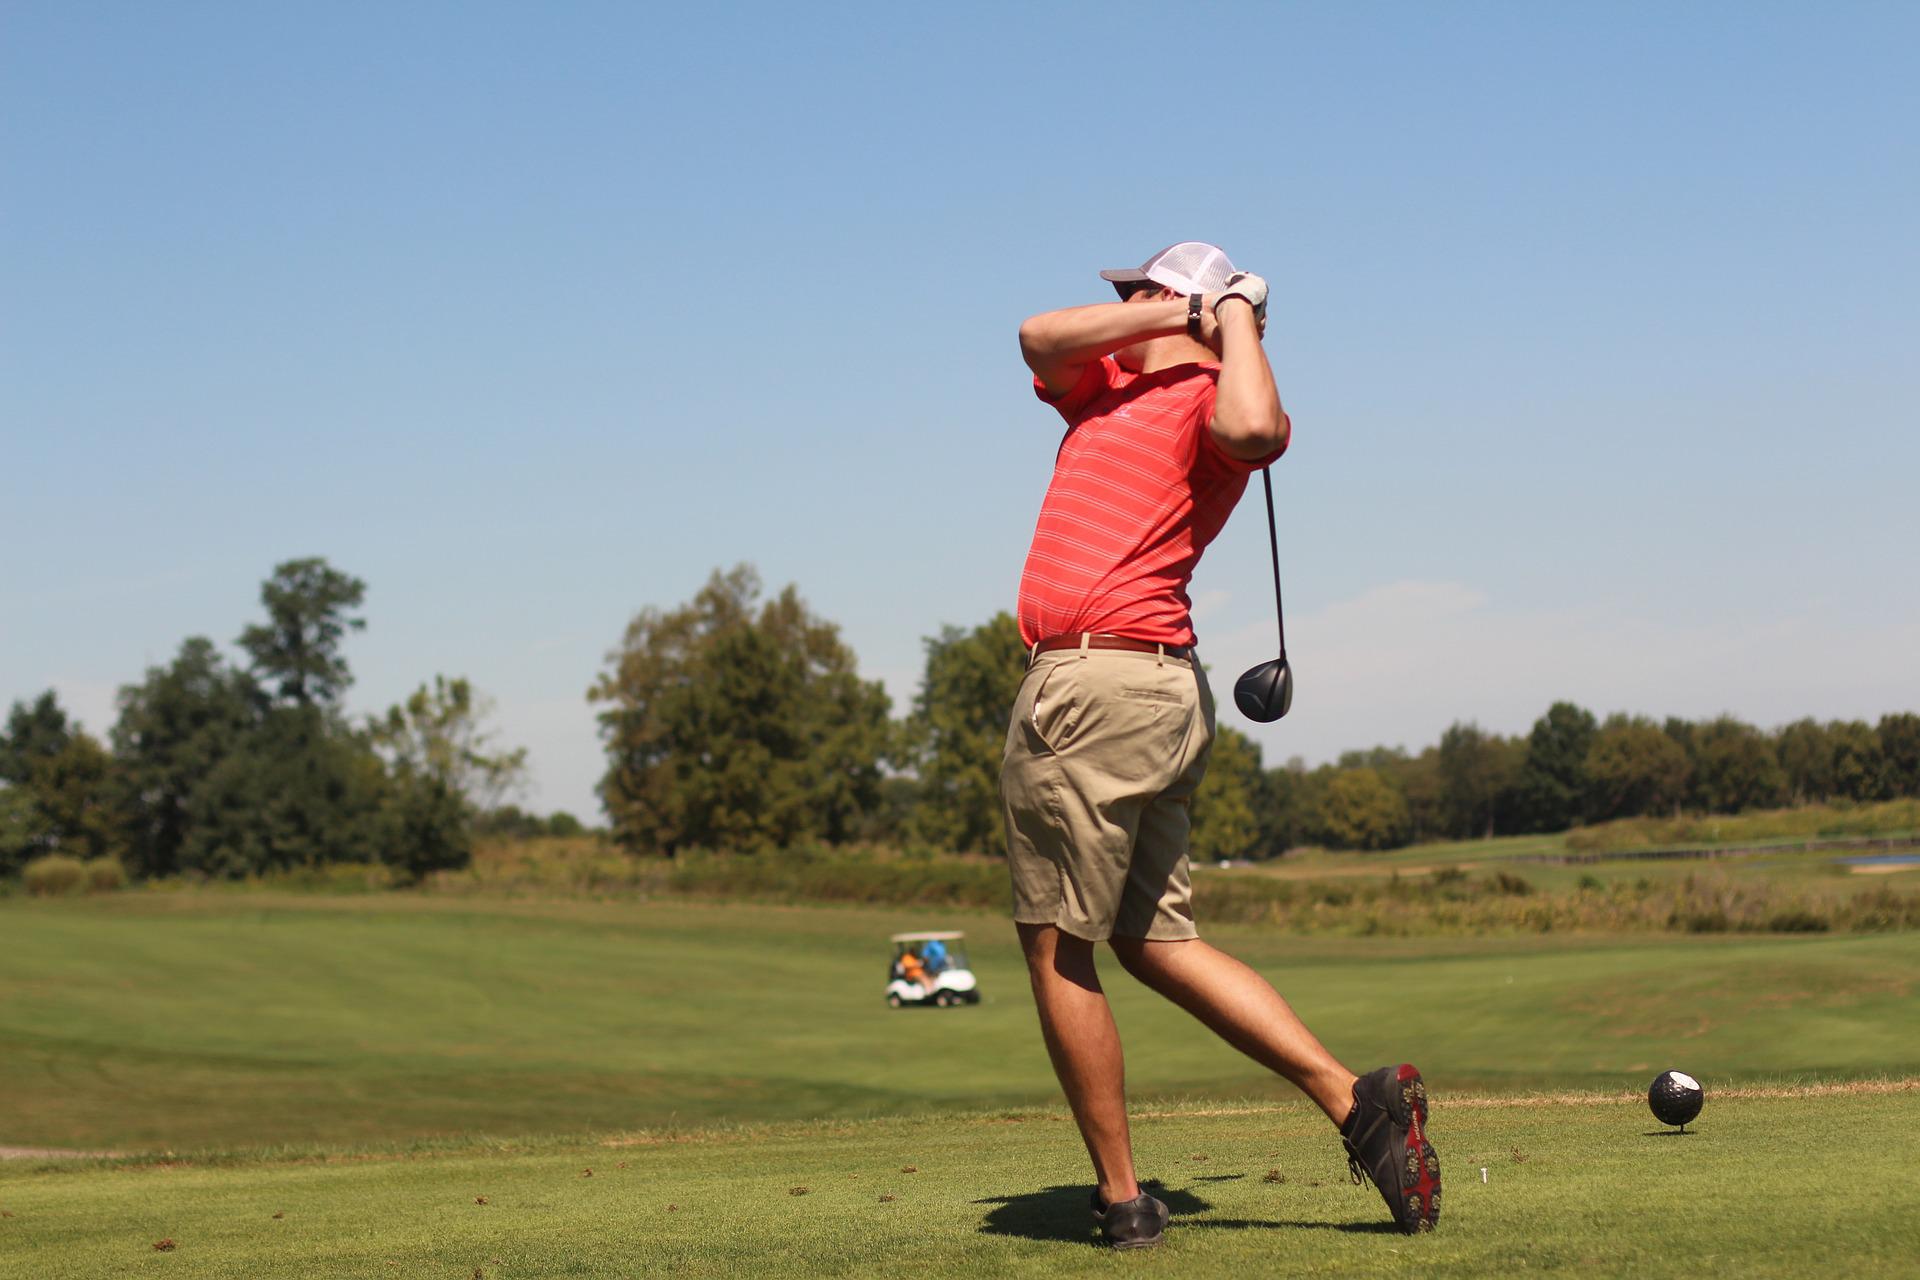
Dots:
{"x": 1188, "y": 267}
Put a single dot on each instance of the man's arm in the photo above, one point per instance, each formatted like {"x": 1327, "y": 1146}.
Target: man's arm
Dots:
{"x": 1248, "y": 421}
{"x": 1058, "y": 344}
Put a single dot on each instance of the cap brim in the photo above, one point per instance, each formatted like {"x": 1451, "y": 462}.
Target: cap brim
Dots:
{"x": 1124, "y": 275}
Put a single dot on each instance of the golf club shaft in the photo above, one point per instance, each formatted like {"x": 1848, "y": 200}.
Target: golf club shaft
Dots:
{"x": 1273, "y": 541}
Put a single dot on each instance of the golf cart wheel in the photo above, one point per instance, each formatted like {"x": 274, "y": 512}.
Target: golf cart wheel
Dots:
{"x": 944, "y": 999}
{"x": 893, "y": 999}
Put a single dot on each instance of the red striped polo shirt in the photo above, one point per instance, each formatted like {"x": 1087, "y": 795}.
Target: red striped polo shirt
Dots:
{"x": 1139, "y": 489}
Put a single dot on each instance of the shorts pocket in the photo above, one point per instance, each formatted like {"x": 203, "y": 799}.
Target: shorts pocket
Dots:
{"x": 1054, "y": 710}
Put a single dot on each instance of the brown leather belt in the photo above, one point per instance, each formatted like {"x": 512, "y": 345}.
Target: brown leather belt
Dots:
{"x": 1053, "y": 644}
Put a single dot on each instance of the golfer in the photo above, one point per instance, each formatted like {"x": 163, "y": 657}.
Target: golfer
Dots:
{"x": 1169, "y": 405}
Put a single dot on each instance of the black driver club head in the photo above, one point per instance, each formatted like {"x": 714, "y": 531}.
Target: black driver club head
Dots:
{"x": 1265, "y": 693}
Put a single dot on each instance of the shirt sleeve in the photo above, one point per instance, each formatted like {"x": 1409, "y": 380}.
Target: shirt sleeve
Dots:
{"x": 1246, "y": 465}
{"x": 1095, "y": 377}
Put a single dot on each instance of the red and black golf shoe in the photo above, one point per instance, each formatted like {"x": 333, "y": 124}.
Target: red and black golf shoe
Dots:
{"x": 1386, "y": 1138}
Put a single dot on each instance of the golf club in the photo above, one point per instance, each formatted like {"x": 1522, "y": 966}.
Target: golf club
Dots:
{"x": 1265, "y": 692}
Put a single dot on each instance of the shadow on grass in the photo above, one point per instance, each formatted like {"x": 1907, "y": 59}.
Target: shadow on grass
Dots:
{"x": 1066, "y": 1214}
{"x": 1669, "y": 1133}
{"x": 1295, "y": 1224}
{"x": 1063, "y": 1214}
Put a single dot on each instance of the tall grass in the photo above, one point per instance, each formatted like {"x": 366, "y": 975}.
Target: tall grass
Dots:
{"x": 1449, "y": 900}
{"x": 1809, "y": 822}
{"x": 584, "y": 865}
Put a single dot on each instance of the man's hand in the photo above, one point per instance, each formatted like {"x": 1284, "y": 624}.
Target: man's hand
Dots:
{"x": 1243, "y": 284}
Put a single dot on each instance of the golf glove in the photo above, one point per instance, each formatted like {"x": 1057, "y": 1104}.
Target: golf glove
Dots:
{"x": 1243, "y": 284}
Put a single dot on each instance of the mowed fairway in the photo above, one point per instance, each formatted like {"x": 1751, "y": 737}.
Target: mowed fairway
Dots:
{"x": 401, "y": 1085}
{"x": 185, "y": 1021}
{"x": 1764, "y": 1186}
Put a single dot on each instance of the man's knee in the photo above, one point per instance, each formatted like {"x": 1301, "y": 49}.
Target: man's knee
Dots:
{"x": 1147, "y": 960}
{"x": 1135, "y": 956}
{"x": 1053, "y": 952}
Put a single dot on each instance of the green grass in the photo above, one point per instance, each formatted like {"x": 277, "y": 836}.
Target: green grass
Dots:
{"x": 1764, "y": 1186}
{"x": 217, "y": 1020}
{"x": 1805, "y": 822}
{"x": 367, "y": 1066}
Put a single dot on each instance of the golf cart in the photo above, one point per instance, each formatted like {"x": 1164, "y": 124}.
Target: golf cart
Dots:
{"x": 930, "y": 968}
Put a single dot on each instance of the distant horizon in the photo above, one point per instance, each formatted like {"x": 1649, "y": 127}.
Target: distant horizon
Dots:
{"x": 99, "y": 722}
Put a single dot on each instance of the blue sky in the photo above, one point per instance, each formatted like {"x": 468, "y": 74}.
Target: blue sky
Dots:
{"x": 1596, "y": 324}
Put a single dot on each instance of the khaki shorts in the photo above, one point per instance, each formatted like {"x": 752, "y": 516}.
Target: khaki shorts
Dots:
{"x": 1104, "y": 751}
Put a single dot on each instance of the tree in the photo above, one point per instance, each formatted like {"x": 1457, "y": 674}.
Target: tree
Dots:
{"x": 1225, "y": 810}
{"x": 1477, "y": 771}
{"x": 443, "y": 771}
{"x": 73, "y": 792}
{"x": 175, "y": 728}
{"x": 1900, "y": 748}
{"x": 301, "y": 789}
{"x": 1805, "y": 750}
{"x": 1359, "y": 810}
{"x": 297, "y": 651}
{"x": 1635, "y": 769}
{"x": 425, "y": 824}
{"x": 1735, "y": 767}
{"x": 58, "y": 782}
{"x": 735, "y": 724}
{"x": 958, "y": 731}
{"x": 439, "y": 732}
{"x": 1290, "y": 806}
{"x": 34, "y": 732}
{"x": 1552, "y": 787}
{"x": 1859, "y": 769}
{"x": 1419, "y": 781}
{"x": 20, "y": 829}
{"x": 510, "y": 822}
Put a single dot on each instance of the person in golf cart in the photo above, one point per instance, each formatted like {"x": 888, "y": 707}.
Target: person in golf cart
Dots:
{"x": 930, "y": 968}
{"x": 911, "y": 968}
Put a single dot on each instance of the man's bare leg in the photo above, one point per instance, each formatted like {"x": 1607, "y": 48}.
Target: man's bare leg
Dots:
{"x": 1085, "y": 1047}
{"x": 1242, "y": 1008}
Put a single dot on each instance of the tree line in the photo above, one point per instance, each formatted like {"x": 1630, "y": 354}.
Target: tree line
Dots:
{"x": 228, "y": 769}
{"x": 733, "y": 722}
{"x": 738, "y": 721}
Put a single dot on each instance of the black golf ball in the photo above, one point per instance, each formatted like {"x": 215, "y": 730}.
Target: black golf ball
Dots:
{"x": 1675, "y": 1097}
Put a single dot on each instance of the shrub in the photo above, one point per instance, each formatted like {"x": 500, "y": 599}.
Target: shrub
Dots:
{"x": 1508, "y": 883}
{"x": 1714, "y": 921}
{"x": 1883, "y": 908}
{"x": 336, "y": 877}
{"x": 104, "y": 875}
{"x": 1797, "y": 922}
{"x": 54, "y": 875}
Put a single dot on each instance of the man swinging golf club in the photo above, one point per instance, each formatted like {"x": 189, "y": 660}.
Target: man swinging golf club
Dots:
{"x": 1170, "y": 405}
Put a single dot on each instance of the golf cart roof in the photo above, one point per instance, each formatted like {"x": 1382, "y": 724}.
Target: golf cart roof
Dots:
{"x": 950, "y": 935}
